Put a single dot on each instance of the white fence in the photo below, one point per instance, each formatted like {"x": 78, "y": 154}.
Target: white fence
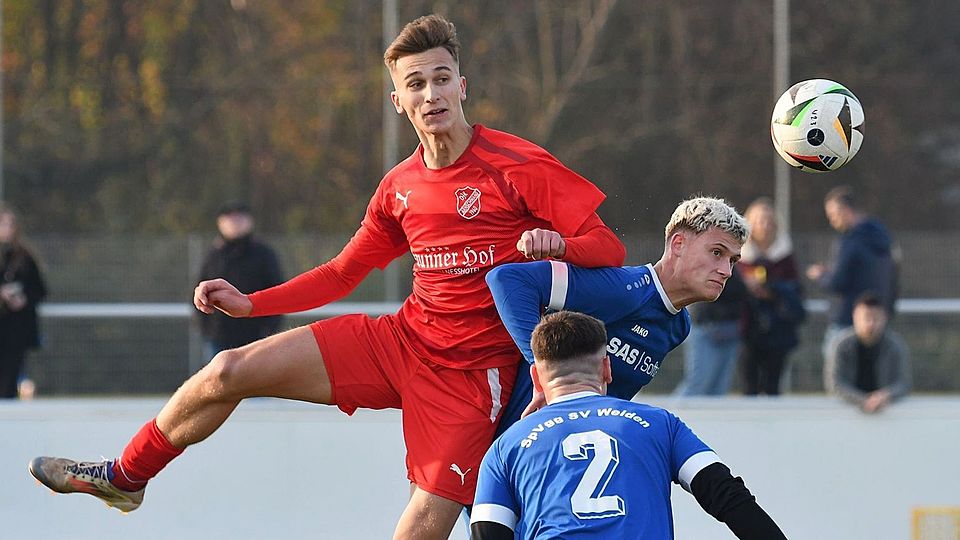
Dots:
{"x": 905, "y": 306}
{"x": 137, "y": 348}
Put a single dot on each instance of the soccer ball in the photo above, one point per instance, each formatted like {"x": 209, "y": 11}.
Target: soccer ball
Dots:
{"x": 817, "y": 125}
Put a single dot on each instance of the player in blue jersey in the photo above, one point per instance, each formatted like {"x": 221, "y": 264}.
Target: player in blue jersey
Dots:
{"x": 592, "y": 466}
{"x": 643, "y": 307}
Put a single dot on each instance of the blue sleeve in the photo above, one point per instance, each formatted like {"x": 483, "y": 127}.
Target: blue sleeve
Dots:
{"x": 520, "y": 292}
{"x": 494, "y": 500}
{"x": 689, "y": 455}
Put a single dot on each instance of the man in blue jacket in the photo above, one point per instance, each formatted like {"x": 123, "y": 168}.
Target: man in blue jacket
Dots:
{"x": 863, "y": 261}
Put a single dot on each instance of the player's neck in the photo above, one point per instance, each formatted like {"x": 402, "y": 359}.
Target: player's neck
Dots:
{"x": 558, "y": 388}
{"x": 677, "y": 293}
{"x": 443, "y": 149}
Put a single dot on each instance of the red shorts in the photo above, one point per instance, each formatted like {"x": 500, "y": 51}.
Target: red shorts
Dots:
{"x": 449, "y": 415}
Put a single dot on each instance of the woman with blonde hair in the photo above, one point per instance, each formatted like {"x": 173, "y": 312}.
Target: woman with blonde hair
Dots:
{"x": 775, "y": 305}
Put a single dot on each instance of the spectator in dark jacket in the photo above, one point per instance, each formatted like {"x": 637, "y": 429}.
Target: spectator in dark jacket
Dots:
{"x": 251, "y": 266}
{"x": 863, "y": 261}
{"x": 869, "y": 364}
{"x": 21, "y": 289}
{"x": 710, "y": 351}
{"x": 774, "y": 308}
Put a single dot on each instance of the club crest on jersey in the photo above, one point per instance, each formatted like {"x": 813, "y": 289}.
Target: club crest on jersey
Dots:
{"x": 468, "y": 202}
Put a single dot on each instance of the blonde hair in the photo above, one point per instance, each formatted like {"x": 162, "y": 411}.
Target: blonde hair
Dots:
{"x": 700, "y": 213}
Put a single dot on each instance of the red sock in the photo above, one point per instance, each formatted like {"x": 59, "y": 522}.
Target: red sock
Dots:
{"x": 146, "y": 454}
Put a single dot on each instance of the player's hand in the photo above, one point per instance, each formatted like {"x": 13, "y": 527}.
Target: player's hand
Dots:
{"x": 540, "y": 244}
{"x": 539, "y": 401}
{"x": 220, "y": 294}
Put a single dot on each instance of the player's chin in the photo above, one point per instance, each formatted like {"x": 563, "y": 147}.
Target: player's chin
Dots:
{"x": 713, "y": 291}
{"x": 438, "y": 123}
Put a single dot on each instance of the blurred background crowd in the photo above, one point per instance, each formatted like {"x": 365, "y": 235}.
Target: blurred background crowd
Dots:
{"x": 127, "y": 125}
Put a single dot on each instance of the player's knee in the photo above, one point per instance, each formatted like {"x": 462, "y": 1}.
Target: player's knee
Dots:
{"x": 220, "y": 378}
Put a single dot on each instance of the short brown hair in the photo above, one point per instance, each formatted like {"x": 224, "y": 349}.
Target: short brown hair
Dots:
{"x": 567, "y": 335}
{"x": 427, "y": 32}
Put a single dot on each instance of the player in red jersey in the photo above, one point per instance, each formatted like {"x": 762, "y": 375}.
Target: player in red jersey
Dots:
{"x": 468, "y": 199}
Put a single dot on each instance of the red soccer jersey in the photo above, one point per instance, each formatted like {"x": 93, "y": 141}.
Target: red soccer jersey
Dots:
{"x": 459, "y": 222}
{"x": 462, "y": 220}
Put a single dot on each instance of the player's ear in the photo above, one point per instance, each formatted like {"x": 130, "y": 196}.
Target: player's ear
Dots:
{"x": 676, "y": 242}
{"x": 606, "y": 371}
{"x": 463, "y": 88}
{"x": 396, "y": 101}
{"x": 535, "y": 375}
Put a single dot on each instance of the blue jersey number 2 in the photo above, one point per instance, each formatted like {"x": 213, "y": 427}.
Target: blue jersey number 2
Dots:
{"x": 588, "y": 500}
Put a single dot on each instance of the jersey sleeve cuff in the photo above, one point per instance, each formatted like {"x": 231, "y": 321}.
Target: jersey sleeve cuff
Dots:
{"x": 559, "y": 283}
{"x": 495, "y": 513}
{"x": 695, "y": 464}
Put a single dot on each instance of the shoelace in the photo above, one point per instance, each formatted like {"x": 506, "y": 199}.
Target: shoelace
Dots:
{"x": 96, "y": 469}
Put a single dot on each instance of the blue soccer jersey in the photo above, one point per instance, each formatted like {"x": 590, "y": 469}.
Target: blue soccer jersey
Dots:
{"x": 642, "y": 324}
{"x": 589, "y": 466}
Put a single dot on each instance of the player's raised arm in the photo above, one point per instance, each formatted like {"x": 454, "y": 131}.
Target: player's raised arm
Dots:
{"x": 376, "y": 243}
{"x": 314, "y": 288}
{"x": 594, "y": 245}
{"x": 520, "y": 292}
{"x": 328, "y": 282}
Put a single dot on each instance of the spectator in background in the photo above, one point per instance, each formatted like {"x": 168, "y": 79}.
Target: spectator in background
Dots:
{"x": 774, "y": 306}
{"x": 249, "y": 264}
{"x": 869, "y": 364}
{"x": 710, "y": 353}
{"x": 21, "y": 289}
{"x": 863, "y": 261}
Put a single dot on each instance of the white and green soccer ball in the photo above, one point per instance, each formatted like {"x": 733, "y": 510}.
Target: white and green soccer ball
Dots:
{"x": 817, "y": 125}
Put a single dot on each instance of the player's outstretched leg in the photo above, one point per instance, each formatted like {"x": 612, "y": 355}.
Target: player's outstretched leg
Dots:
{"x": 287, "y": 365}
{"x": 94, "y": 477}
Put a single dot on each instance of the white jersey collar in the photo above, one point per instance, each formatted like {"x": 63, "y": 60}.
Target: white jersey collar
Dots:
{"x": 663, "y": 295}
{"x": 573, "y": 396}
